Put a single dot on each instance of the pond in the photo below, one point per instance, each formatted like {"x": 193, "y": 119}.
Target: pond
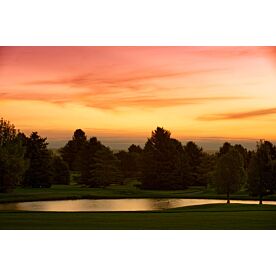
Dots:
{"x": 97, "y": 205}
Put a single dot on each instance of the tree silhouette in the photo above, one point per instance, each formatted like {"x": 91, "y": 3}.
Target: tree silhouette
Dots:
{"x": 206, "y": 170}
{"x": 105, "y": 170}
{"x": 230, "y": 174}
{"x": 261, "y": 172}
{"x": 131, "y": 162}
{"x": 87, "y": 161}
{"x": 12, "y": 162}
{"x": 225, "y": 148}
{"x": 165, "y": 164}
{"x": 71, "y": 152}
{"x": 60, "y": 171}
{"x": 135, "y": 149}
{"x": 195, "y": 158}
{"x": 39, "y": 171}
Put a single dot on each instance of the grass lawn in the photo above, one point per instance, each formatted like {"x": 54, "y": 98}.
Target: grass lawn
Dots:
{"x": 113, "y": 191}
{"x": 211, "y": 216}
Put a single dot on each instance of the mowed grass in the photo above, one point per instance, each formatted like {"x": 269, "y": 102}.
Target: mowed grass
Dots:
{"x": 129, "y": 190}
{"x": 211, "y": 216}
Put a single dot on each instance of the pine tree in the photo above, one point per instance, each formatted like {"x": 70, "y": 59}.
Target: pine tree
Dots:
{"x": 230, "y": 174}
{"x": 71, "y": 152}
{"x": 165, "y": 163}
{"x": 39, "y": 171}
{"x": 12, "y": 162}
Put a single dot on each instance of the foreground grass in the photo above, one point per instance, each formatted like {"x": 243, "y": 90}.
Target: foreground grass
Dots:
{"x": 211, "y": 216}
{"x": 130, "y": 190}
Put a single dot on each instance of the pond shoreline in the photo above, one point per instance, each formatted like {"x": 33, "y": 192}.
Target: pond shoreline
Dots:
{"x": 3, "y": 201}
{"x": 75, "y": 192}
{"x": 117, "y": 204}
{"x": 204, "y": 217}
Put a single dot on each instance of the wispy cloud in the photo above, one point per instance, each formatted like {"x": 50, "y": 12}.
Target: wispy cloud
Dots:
{"x": 120, "y": 79}
{"x": 109, "y": 103}
{"x": 151, "y": 102}
{"x": 238, "y": 115}
{"x": 106, "y": 90}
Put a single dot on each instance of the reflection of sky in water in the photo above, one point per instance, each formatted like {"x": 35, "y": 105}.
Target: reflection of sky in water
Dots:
{"x": 83, "y": 205}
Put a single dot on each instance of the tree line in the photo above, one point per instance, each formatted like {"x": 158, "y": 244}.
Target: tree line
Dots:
{"x": 164, "y": 163}
{"x": 27, "y": 162}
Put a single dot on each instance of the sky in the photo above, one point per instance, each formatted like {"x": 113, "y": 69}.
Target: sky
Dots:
{"x": 123, "y": 93}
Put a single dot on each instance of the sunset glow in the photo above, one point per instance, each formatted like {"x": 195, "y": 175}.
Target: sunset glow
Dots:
{"x": 128, "y": 91}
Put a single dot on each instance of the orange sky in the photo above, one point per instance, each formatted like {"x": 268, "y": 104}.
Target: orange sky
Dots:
{"x": 128, "y": 91}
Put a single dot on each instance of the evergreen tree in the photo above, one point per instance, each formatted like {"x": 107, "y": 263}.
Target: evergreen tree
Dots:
{"x": 105, "y": 170}
{"x": 87, "y": 160}
{"x": 71, "y": 152}
{"x": 39, "y": 171}
{"x": 261, "y": 172}
{"x": 224, "y": 149}
{"x": 12, "y": 162}
{"x": 130, "y": 162}
{"x": 165, "y": 163}
{"x": 135, "y": 149}
{"x": 206, "y": 170}
{"x": 230, "y": 174}
{"x": 195, "y": 158}
{"x": 60, "y": 171}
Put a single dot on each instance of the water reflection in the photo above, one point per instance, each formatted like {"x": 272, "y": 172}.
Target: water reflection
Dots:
{"x": 97, "y": 205}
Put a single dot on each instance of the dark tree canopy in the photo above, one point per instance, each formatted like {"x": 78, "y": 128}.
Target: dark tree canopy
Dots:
{"x": 206, "y": 170}
{"x": 195, "y": 159}
{"x": 230, "y": 174}
{"x": 8, "y": 132}
{"x": 135, "y": 149}
{"x": 12, "y": 162}
{"x": 105, "y": 170}
{"x": 39, "y": 171}
{"x": 127, "y": 164}
{"x": 131, "y": 161}
{"x": 224, "y": 149}
{"x": 261, "y": 172}
{"x": 99, "y": 166}
{"x": 87, "y": 160}
{"x": 165, "y": 164}
{"x": 71, "y": 152}
{"x": 60, "y": 171}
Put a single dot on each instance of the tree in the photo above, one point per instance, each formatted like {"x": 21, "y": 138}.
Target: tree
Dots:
{"x": 39, "y": 171}
{"x": 244, "y": 153}
{"x": 164, "y": 162}
{"x": 195, "y": 158}
{"x": 60, "y": 171}
{"x": 87, "y": 155}
{"x": 8, "y": 132}
{"x": 130, "y": 162}
{"x": 12, "y": 162}
{"x": 206, "y": 170}
{"x": 230, "y": 174}
{"x": 105, "y": 170}
{"x": 135, "y": 149}
{"x": 225, "y": 148}
{"x": 71, "y": 152}
{"x": 127, "y": 165}
{"x": 261, "y": 172}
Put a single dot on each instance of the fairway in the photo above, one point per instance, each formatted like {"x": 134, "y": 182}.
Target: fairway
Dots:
{"x": 129, "y": 190}
{"x": 212, "y": 216}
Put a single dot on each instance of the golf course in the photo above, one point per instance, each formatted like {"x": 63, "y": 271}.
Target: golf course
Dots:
{"x": 208, "y": 216}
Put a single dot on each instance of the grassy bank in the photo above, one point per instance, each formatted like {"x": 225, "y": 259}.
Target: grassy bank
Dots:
{"x": 213, "y": 216}
{"x": 114, "y": 191}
